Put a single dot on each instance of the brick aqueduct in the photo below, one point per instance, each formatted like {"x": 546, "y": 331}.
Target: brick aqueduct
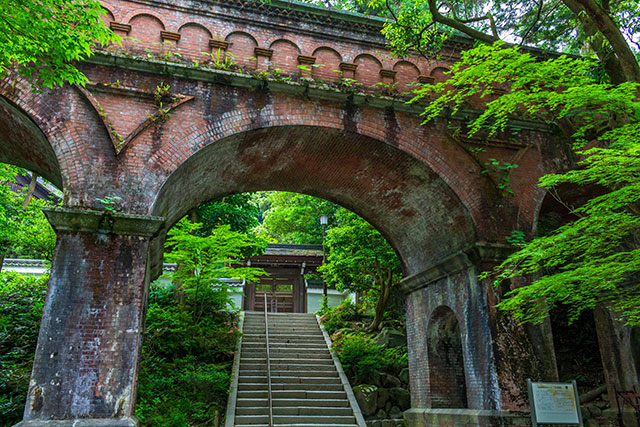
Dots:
{"x": 166, "y": 128}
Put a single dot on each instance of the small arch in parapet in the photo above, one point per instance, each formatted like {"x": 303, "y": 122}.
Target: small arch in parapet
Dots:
{"x": 285, "y": 56}
{"x": 194, "y": 40}
{"x": 241, "y": 48}
{"x": 108, "y": 16}
{"x": 368, "y": 69}
{"x": 440, "y": 74}
{"x": 327, "y": 63}
{"x": 284, "y": 42}
{"x": 144, "y": 14}
{"x": 407, "y": 65}
{"x": 240, "y": 35}
{"x": 195, "y": 26}
{"x": 406, "y": 74}
{"x": 327, "y": 51}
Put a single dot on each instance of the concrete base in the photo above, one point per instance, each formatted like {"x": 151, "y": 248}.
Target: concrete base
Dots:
{"x": 82, "y": 422}
{"x": 423, "y": 417}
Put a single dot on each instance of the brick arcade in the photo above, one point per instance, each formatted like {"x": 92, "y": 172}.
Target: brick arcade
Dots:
{"x": 288, "y": 97}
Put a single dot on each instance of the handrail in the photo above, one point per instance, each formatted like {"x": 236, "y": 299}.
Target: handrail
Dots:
{"x": 266, "y": 333}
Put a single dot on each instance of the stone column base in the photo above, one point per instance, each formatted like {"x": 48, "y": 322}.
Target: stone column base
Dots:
{"x": 82, "y": 422}
{"x": 423, "y": 417}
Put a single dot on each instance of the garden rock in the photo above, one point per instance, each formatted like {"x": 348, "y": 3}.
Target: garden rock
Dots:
{"x": 372, "y": 378}
{"x": 404, "y": 376}
{"x": 367, "y": 397}
{"x": 395, "y": 412}
{"x": 390, "y": 381}
{"x": 381, "y": 415}
{"x": 400, "y": 397}
{"x": 390, "y": 337}
{"x": 383, "y": 397}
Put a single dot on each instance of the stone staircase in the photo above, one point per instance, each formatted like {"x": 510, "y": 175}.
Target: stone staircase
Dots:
{"x": 308, "y": 385}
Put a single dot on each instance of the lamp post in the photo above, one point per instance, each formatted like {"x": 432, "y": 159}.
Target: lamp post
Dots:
{"x": 324, "y": 220}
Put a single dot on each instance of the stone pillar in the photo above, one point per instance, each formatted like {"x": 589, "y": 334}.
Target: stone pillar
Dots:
{"x": 619, "y": 349}
{"x": 86, "y": 362}
{"x": 452, "y": 284}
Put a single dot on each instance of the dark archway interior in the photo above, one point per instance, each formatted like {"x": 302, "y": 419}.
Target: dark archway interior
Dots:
{"x": 447, "y": 386}
{"x": 404, "y": 199}
{"x": 23, "y": 144}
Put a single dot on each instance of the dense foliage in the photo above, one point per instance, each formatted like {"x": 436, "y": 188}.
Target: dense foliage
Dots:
{"x": 22, "y": 299}
{"x": 295, "y": 218}
{"x": 592, "y": 261}
{"x": 190, "y": 334}
{"x": 24, "y": 230}
{"x": 360, "y": 260}
{"x": 361, "y": 357}
{"x": 186, "y": 358}
{"x": 40, "y": 39}
{"x": 238, "y": 211}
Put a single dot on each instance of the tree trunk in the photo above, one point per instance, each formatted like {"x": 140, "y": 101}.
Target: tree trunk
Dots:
{"x": 31, "y": 190}
{"x": 1, "y": 261}
{"x": 605, "y": 24}
{"x": 385, "y": 291}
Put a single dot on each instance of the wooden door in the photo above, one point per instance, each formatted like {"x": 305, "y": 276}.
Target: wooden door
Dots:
{"x": 279, "y": 292}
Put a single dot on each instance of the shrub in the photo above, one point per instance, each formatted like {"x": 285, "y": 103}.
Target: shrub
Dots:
{"x": 361, "y": 356}
{"x": 334, "y": 318}
{"x": 185, "y": 367}
{"x": 21, "y": 298}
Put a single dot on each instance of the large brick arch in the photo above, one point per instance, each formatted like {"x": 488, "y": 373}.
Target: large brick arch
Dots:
{"x": 22, "y": 143}
{"x": 409, "y": 203}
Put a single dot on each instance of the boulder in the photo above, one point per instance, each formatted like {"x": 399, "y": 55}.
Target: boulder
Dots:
{"x": 395, "y": 413}
{"x": 400, "y": 397}
{"x": 390, "y": 337}
{"x": 383, "y": 397}
{"x": 404, "y": 376}
{"x": 390, "y": 381}
{"x": 373, "y": 378}
{"x": 367, "y": 397}
{"x": 381, "y": 415}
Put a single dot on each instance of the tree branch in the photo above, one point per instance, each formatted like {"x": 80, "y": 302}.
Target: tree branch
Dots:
{"x": 534, "y": 24}
{"x": 460, "y": 25}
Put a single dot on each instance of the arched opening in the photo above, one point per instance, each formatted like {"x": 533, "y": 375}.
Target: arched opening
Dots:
{"x": 417, "y": 212}
{"x": 447, "y": 384}
{"x": 23, "y": 144}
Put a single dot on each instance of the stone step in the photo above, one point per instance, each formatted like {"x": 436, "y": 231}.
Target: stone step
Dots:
{"x": 306, "y": 380}
{"x": 288, "y": 373}
{"x": 284, "y": 345}
{"x": 286, "y": 361}
{"x": 296, "y": 410}
{"x": 318, "y": 420}
{"x": 295, "y": 425}
{"x": 288, "y": 354}
{"x": 290, "y": 386}
{"x": 292, "y": 394}
{"x": 262, "y": 402}
{"x": 286, "y": 367}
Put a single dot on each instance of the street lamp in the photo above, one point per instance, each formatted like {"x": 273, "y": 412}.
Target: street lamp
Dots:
{"x": 324, "y": 220}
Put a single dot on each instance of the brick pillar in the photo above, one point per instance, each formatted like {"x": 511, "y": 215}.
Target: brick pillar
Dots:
{"x": 619, "y": 350}
{"x": 451, "y": 285}
{"x": 86, "y": 362}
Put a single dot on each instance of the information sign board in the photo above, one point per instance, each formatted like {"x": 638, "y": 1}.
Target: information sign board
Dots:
{"x": 554, "y": 403}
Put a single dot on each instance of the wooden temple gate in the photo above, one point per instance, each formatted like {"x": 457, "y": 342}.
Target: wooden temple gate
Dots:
{"x": 285, "y": 287}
